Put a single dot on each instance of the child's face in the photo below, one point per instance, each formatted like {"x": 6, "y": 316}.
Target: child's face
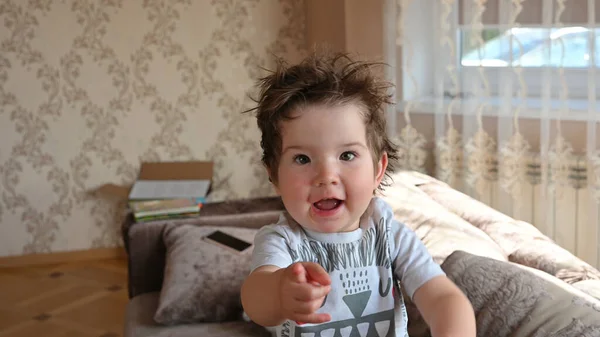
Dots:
{"x": 326, "y": 175}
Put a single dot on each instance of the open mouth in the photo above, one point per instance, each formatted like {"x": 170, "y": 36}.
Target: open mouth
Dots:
{"x": 327, "y": 205}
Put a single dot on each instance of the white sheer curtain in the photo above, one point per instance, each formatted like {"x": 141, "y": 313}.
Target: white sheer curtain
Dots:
{"x": 498, "y": 99}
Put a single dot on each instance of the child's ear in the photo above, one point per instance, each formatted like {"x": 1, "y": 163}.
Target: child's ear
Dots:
{"x": 381, "y": 167}
{"x": 271, "y": 180}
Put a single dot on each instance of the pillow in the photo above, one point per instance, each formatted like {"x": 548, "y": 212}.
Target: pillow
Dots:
{"x": 590, "y": 287}
{"x": 202, "y": 281}
{"x": 441, "y": 231}
{"x": 547, "y": 256}
{"x": 514, "y": 300}
{"x": 521, "y": 241}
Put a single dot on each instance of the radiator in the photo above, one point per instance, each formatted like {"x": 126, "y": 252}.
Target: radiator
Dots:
{"x": 570, "y": 214}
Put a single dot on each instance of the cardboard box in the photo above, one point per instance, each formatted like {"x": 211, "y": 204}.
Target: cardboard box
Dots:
{"x": 165, "y": 180}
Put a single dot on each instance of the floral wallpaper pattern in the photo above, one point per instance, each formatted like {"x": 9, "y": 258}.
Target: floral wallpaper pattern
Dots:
{"x": 89, "y": 89}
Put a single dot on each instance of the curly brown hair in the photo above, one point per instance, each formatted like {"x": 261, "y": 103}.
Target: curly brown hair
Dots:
{"x": 323, "y": 79}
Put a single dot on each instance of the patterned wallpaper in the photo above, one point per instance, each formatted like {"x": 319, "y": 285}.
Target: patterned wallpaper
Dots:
{"x": 90, "y": 88}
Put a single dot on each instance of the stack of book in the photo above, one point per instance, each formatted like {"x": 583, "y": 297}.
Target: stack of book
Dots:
{"x": 168, "y": 190}
{"x": 164, "y": 209}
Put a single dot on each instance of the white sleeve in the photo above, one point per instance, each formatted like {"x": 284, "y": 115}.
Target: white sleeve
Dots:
{"x": 412, "y": 263}
{"x": 271, "y": 248}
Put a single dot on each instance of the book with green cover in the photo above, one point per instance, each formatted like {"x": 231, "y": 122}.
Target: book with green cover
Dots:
{"x": 166, "y": 217}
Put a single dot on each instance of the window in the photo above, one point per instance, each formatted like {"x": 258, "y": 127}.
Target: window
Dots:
{"x": 531, "y": 47}
{"x": 567, "y": 53}
{"x": 551, "y": 58}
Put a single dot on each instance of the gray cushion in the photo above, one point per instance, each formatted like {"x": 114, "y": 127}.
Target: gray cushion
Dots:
{"x": 202, "y": 281}
{"x": 146, "y": 250}
{"x": 518, "y": 301}
{"x": 139, "y": 323}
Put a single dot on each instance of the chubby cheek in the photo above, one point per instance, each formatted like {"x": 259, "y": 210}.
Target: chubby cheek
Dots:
{"x": 293, "y": 185}
{"x": 361, "y": 185}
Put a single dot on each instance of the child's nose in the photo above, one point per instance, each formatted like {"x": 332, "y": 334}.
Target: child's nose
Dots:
{"x": 326, "y": 175}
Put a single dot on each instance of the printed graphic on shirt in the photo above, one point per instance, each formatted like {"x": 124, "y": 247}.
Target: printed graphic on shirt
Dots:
{"x": 371, "y": 250}
{"x": 361, "y": 301}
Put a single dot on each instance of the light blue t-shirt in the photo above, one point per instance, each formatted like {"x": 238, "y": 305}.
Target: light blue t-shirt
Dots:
{"x": 366, "y": 267}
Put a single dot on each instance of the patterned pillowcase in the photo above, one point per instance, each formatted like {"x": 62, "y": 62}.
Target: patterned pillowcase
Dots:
{"x": 202, "y": 281}
{"x": 518, "y": 301}
{"x": 547, "y": 256}
{"x": 440, "y": 230}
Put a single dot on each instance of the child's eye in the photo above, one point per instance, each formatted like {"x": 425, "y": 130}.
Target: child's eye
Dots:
{"x": 347, "y": 156}
{"x": 302, "y": 159}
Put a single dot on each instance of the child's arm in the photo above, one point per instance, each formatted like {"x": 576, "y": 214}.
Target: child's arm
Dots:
{"x": 271, "y": 295}
{"x": 445, "y": 308}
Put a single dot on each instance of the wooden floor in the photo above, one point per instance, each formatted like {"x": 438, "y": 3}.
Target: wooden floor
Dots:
{"x": 84, "y": 299}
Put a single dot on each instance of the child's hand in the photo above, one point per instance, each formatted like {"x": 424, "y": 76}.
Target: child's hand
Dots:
{"x": 303, "y": 288}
